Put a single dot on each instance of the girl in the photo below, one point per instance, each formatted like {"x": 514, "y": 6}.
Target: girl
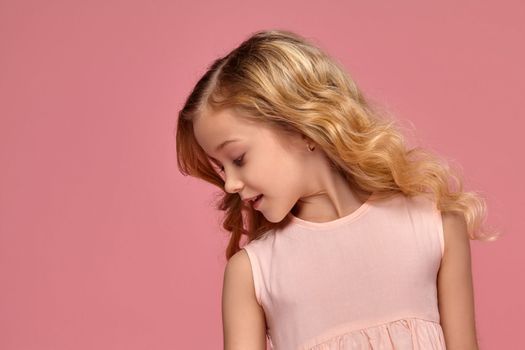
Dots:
{"x": 355, "y": 241}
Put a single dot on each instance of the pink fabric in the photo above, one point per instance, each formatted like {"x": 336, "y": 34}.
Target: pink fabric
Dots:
{"x": 363, "y": 281}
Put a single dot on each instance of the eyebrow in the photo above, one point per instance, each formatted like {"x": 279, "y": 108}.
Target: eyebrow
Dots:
{"x": 222, "y": 145}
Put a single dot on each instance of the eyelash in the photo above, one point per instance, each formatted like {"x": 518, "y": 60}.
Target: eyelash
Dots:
{"x": 238, "y": 160}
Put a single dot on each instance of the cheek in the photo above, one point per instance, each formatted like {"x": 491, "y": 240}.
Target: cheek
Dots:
{"x": 283, "y": 177}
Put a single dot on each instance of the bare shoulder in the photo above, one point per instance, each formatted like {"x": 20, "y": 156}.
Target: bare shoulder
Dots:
{"x": 238, "y": 273}
{"x": 244, "y": 325}
{"x": 455, "y": 285}
{"x": 239, "y": 262}
{"x": 455, "y": 229}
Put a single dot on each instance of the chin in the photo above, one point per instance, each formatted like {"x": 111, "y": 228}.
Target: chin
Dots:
{"x": 274, "y": 219}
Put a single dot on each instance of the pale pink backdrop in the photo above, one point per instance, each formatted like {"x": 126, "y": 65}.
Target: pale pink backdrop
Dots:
{"x": 104, "y": 245}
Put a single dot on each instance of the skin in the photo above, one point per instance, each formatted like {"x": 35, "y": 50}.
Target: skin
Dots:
{"x": 293, "y": 178}
{"x": 279, "y": 166}
{"x": 455, "y": 286}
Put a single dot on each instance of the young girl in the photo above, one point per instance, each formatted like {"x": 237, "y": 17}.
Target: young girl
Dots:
{"x": 354, "y": 240}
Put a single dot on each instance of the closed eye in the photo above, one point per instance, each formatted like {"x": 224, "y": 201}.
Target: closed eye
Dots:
{"x": 239, "y": 162}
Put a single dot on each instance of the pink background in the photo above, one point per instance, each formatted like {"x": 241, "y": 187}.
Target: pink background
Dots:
{"x": 105, "y": 245}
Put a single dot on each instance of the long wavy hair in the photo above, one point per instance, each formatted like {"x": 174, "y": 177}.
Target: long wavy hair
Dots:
{"x": 278, "y": 78}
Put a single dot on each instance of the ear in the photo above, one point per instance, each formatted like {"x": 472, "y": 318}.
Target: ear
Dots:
{"x": 307, "y": 139}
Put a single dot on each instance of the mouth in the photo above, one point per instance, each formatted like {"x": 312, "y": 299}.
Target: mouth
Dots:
{"x": 256, "y": 200}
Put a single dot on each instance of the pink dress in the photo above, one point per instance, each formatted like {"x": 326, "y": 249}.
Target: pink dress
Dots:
{"x": 363, "y": 281}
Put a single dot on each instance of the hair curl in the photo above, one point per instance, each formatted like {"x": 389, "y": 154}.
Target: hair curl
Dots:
{"x": 277, "y": 77}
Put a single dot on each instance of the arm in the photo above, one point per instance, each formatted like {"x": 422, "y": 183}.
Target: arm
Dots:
{"x": 244, "y": 325}
{"x": 455, "y": 288}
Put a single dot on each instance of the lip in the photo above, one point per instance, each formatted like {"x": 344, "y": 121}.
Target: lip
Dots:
{"x": 249, "y": 199}
{"x": 258, "y": 203}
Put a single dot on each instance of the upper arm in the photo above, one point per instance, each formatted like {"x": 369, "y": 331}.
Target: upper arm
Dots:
{"x": 455, "y": 287}
{"x": 244, "y": 325}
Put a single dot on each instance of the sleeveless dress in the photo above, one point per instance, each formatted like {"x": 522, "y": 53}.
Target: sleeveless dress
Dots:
{"x": 367, "y": 280}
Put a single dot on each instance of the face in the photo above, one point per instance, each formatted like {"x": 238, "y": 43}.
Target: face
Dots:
{"x": 259, "y": 161}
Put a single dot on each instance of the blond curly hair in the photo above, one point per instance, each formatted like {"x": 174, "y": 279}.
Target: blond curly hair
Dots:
{"x": 279, "y": 78}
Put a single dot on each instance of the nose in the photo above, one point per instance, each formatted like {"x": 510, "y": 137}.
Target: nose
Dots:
{"x": 232, "y": 184}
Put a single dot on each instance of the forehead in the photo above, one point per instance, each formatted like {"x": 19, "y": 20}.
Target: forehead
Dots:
{"x": 211, "y": 129}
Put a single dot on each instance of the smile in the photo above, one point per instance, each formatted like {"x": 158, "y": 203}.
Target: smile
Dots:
{"x": 257, "y": 201}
